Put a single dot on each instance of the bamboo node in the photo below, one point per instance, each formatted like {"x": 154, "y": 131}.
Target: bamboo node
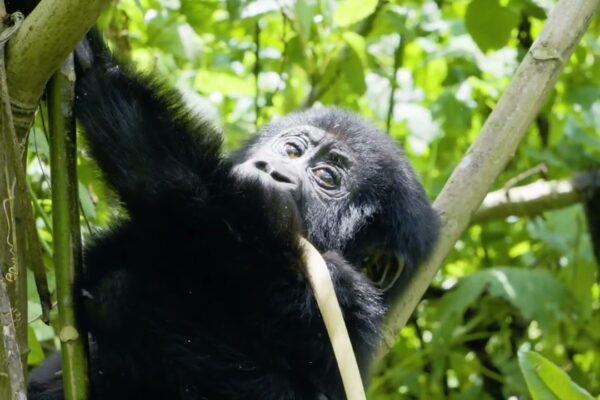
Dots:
{"x": 68, "y": 334}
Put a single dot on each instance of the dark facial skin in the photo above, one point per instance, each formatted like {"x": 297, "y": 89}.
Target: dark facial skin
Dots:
{"x": 305, "y": 162}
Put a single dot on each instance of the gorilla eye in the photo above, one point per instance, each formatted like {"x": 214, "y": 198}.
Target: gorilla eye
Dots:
{"x": 326, "y": 177}
{"x": 292, "y": 150}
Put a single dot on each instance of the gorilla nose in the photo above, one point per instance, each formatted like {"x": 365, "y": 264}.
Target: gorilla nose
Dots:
{"x": 276, "y": 173}
{"x": 263, "y": 166}
{"x": 279, "y": 177}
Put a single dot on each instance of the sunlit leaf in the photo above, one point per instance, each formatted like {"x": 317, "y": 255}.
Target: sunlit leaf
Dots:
{"x": 87, "y": 205}
{"x": 536, "y": 293}
{"x": 349, "y": 12}
{"x": 228, "y": 84}
{"x": 489, "y": 23}
{"x": 252, "y": 8}
{"x": 36, "y": 354}
{"x": 354, "y": 72}
{"x": 546, "y": 381}
{"x": 305, "y": 10}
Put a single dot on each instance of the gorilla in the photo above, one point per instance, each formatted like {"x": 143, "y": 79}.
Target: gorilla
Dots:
{"x": 199, "y": 293}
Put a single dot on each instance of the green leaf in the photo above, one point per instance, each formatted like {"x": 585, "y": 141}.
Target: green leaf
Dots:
{"x": 546, "y": 381}
{"x": 456, "y": 302}
{"x": 163, "y": 33}
{"x": 490, "y": 24}
{"x": 354, "y": 73}
{"x": 38, "y": 143}
{"x": 530, "y": 8}
{"x": 453, "y": 113}
{"x": 349, "y": 12}
{"x": 36, "y": 354}
{"x": 221, "y": 82}
{"x": 199, "y": 14}
{"x": 295, "y": 51}
{"x": 234, "y": 8}
{"x": 252, "y": 9}
{"x": 583, "y": 95}
{"x": 353, "y": 67}
{"x": 87, "y": 205}
{"x": 305, "y": 11}
{"x": 357, "y": 43}
{"x": 453, "y": 305}
{"x": 536, "y": 293}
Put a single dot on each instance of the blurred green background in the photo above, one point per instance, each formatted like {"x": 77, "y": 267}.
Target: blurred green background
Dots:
{"x": 428, "y": 73}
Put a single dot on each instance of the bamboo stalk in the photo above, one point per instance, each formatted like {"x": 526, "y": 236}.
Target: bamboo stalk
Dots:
{"x": 66, "y": 230}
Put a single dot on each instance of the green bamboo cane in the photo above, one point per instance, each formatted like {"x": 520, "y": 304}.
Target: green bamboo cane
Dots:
{"x": 66, "y": 230}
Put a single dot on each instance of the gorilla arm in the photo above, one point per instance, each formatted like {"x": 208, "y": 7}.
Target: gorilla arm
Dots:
{"x": 141, "y": 135}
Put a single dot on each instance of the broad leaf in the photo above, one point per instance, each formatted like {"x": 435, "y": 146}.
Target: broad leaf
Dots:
{"x": 490, "y": 24}
{"x": 546, "y": 381}
{"x": 349, "y": 12}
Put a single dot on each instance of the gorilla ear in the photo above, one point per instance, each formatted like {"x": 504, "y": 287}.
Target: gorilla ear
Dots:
{"x": 383, "y": 269}
{"x": 406, "y": 231}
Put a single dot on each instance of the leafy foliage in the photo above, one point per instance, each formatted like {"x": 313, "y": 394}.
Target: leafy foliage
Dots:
{"x": 546, "y": 381}
{"x": 428, "y": 72}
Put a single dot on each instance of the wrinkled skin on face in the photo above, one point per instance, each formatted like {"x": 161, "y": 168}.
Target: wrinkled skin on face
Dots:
{"x": 306, "y": 164}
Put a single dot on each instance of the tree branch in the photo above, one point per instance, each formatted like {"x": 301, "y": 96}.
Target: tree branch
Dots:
{"x": 536, "y": 197}
{"x": 494, "y": 147}
{"x": 45, "y": 39}
{"x": 15, "y": 150}
{"x": 13, "y": 209}
{"x": 12, "y": 356}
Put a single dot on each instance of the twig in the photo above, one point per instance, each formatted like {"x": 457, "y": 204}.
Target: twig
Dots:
{"x": 541, "y": 168}
{"x": 398, "y": 61}
{"x": 536, "y": 197}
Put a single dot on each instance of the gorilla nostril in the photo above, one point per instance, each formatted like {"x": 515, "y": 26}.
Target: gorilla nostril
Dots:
{"x": 263, "y": 166}
{"x": 279, "y": 177}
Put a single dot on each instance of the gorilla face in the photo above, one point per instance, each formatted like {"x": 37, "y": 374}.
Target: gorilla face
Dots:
{"x": 314, "y": 170}
{"x": 349, "y": 182}
{"x": 304, "y": 161}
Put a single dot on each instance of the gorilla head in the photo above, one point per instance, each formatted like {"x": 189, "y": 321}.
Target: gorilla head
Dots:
{"x": 351, "y": 184}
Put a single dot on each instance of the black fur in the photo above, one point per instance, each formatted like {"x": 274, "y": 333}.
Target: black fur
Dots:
{"x": 199, "y": 293}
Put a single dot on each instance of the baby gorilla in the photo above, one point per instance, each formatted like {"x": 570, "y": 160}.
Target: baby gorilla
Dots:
{"x": 200, "y": 292}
